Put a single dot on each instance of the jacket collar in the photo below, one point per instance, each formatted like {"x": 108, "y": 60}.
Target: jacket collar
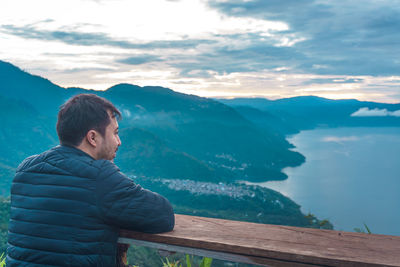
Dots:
{"x": 73, "y": 150}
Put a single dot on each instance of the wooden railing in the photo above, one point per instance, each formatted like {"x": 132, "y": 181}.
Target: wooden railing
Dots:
{"x": 271, "y": 245}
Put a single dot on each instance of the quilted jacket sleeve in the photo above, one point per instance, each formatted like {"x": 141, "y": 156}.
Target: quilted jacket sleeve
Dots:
{"x": 126, "y": 205}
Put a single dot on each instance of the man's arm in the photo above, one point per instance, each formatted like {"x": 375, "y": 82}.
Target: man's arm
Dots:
{"x": 127, "y": 205}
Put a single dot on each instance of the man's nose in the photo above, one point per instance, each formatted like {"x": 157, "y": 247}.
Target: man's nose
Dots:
{"x": 119, "y": 141}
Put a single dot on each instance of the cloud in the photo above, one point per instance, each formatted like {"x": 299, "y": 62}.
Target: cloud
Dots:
{"x": 85, "y": 70}
{"x": 334, "y": 49}
{"x": 95, "y": 39}
{"x": 340, "y": 139}
{"x": 140, "y": 59}
{"x": 376, "y": 112}
{"x": 335, "y": 80}
{"x": 126, "y": 113}
{"x": 233, "y": 53}
{"x": 350, "y": 38}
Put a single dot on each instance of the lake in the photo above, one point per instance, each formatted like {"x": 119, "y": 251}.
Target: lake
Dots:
{"x": 351, "y": 176}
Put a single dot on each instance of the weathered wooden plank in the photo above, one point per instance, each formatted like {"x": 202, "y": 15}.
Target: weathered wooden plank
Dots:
{"x": 213, "y": 254}
{"x": 281, "y": 244}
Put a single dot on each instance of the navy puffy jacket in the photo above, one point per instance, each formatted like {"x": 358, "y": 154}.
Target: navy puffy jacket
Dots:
{"x": 67, "y": 209}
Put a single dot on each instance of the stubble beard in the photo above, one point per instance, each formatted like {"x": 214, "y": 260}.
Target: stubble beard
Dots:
{"x": 107, "y": 154}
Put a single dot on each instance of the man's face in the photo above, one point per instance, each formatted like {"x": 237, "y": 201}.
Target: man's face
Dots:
{"x": 110, "y": 142}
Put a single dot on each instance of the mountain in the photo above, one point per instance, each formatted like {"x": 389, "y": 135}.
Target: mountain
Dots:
{"x": 24, "y": 132}
{"x": 145, "y": 154}
{"x": 36, "y": 91}
{"x": 308, "y": 112}
{"x": 267, "y": 120}
{"x": 165, "y": 134}
{"x": 206, "y": 130}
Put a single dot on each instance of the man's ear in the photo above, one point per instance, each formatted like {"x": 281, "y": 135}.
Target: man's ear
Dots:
{"x": 91, "y": 138}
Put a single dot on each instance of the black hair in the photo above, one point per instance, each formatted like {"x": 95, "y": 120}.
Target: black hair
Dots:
{"x": 82, "y": 113}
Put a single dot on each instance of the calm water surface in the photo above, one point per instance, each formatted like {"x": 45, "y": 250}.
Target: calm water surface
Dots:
{"x": 351, "y": 176}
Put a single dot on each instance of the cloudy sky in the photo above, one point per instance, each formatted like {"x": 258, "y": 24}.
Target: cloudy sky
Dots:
{"x": 225, "y": 48}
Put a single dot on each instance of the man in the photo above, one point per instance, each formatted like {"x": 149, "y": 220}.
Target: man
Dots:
{"x": 68, "y": 203}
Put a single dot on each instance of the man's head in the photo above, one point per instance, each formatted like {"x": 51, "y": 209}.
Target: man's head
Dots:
{"x": 89, "y": 122}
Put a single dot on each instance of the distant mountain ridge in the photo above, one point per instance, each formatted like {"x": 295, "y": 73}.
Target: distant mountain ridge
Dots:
{"x": 290, "y": 115}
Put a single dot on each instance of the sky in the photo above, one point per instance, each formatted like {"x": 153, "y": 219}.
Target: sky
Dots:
{"x": 212, "y": 48}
